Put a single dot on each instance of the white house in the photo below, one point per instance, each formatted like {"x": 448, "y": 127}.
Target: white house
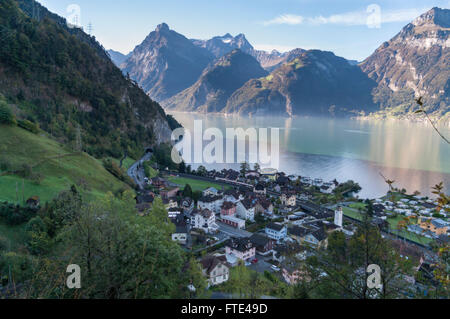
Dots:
{"x": 211, "y": 191}
{"x": 204, "y": 219}
{"x": 241, "y": 248}
{"x": 216, "y": 269}
{"x": 288, "y": 199}
{"x": 276, "y": 231}
{"x": 246, "y": 210}
{"x": 213, "y": 203}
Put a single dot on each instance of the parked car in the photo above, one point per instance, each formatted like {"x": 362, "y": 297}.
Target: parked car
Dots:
{"x": 255, "y": 261}
{"x": 275, "y": 268}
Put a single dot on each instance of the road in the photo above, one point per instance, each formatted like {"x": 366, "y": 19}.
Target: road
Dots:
{"x": 136, "y": 171}
{"x": 233, "y": 232}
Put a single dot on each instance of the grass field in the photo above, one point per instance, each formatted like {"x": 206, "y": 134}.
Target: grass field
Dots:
{"x": 195, "y": 184}
{"x": 393, "y": 222}
{"x": 358, "y": 205}
{"x": 19, "y": 147}
{"x": 126, "y": 163}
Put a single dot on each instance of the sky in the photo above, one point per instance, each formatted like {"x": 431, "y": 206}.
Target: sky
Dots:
{"x": 351, "y": 29}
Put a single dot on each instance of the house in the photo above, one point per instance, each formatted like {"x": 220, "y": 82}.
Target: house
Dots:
{"x": 242, "y": 248}
{"x": 276, "y": 231}
{"x": 233, "y": 221}
{"x": 169, "y": 192}
{"x": 260, "y": 189}
{"x": 158, "y": 182}
{"x": 211, "y": 191}
{"x": 204, "y": 219}
{"x": 246, "y": 209}
{"x": 228, "y": 209}
{"x": 213, "y": 203}
{"x": 187, "y": 204}
{"x": 317, "y": 238}
{"x": 435, "y": 225}
{"x": 269, "y": 173}
{"x": 252, "y": 174}
{"x": 33, "y": 202}
{"x": 169, "y": 203}
{"x": 299, "y": 233}
{"x": 232, "y": 195}
{"x": 216, "y": 269}
{"x": 292, "y": 272}
{"x": 263, "y": 244}
{"x": 181, "y": 231}
{"x": 145, "y": 198}
{"x": 288, "y": 199}
{"x": 264, "y": 207}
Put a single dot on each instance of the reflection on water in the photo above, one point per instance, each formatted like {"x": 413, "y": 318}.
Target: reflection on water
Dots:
{"x": 412, "y": 154}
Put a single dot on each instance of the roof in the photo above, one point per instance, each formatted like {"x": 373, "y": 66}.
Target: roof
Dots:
{"x": 144, "y": 199}
{"x": 319, "y": 234}
{"x": 210, "y": 199}
{"x": 228, "y": 205}
{"x": 247, "y": 203}
{"x": 206, "y": 213}
{"x": 299, "y": 231}
{"x": 274, "y": 226}
{"x": 259, "y": 187}
{"x": 439, "y": 223}
{"x": 265, "y": 203}
{"x": 209, "y": 263}
{"x": 259, "y": 240}
{"x": 240, "y": 244}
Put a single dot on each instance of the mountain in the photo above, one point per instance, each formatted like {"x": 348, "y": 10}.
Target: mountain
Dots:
{"x": 315, "y": 82}
{"x": 39, "y": 13}
{"x": 211, "y": 92}
{"x": 117, "y": 57}
{"x": 414, "y": 63}
{"x": 273, "y": 60}
{"x": 63, "y": 80}
{"x": 219, "y": 46}
{"x": 166, "y": 63}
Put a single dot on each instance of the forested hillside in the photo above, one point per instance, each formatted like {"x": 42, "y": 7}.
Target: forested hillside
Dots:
{"x": 61, "y": 80}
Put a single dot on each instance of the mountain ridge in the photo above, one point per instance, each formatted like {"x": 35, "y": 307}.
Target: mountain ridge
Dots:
{"x": 216, "y": 84}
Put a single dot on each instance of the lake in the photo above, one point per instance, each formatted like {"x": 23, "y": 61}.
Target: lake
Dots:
{"x": 412, "y": 154}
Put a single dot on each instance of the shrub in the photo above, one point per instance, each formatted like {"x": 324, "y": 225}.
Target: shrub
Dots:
{"x": 29, "y": 126}
{"x": 6, "y": 116}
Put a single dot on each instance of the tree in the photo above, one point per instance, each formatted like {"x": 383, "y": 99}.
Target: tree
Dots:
{"x": 256, "y": 167}
{"x": 121, "y": 255}
{"x": 6, "y": 116}
{"x": 194, "y": 276}
{"x": 245, "y": 167}
{"x": 182, "y": 167}
{"x": 344, "y": 266}
{"x": 187, "y": 191}
{"x": 201, "y": 171}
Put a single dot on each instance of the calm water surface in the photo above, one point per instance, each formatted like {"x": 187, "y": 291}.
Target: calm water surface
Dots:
{"x": 412, "y": 154}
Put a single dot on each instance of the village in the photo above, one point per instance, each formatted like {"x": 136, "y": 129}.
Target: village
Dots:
{"x": 270, "y": 222}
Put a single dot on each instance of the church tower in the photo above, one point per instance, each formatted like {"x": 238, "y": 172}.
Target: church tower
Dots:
{"x": 338, "y": 217}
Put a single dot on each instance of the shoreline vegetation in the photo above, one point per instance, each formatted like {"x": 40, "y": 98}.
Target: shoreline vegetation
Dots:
{"x": 378, "y": 116}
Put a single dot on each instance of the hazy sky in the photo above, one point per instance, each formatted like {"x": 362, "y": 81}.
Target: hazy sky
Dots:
{"x": 352, "y": 29}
